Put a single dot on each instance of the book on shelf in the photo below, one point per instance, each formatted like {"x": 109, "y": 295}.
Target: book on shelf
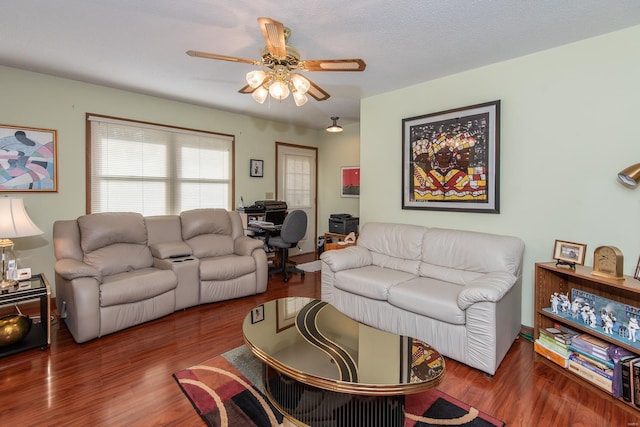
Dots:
{"x": 562, "y": 337}
{"x": 590, "y": 376}
{"x": 588, "y": 363}
{"x": 591, "y": 345}
{"x": 554, "y": 345}
{"x": 636, "y": 383}
{"x": 604, "y": 363}
{"x": 548, "y": 353}
{"x": 626, "y": 369}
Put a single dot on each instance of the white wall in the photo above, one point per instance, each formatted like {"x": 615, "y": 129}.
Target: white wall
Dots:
{"x": 569, "y": 123}
{"x": 37, "y": 100}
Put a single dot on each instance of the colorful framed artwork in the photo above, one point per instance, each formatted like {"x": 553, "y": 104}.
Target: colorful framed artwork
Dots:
{"x": 256, "y": 168}
{"x": 28, "y": 159}
{"x": 569, "y": 252}
{"x": 450, "y": 160}
{"x": 350, "y": 181}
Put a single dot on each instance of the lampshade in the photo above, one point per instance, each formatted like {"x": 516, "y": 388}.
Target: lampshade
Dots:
{"x": 279, "y": 90}
{"x": 255, "y": 78}
{"x": 300, "y": 98}
{"x": 14, "y": 221}
{"x": 630, "y": 175}
{"x": 260, "y": 94}
{"x": 301, "y": 84}
{"x": 335, "y": 127}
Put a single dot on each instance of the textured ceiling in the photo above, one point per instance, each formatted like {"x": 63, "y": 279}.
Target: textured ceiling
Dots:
{"x": 139, "y": 45}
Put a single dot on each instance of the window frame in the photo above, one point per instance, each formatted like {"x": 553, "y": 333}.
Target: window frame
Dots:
{"x": 155, "y": 126}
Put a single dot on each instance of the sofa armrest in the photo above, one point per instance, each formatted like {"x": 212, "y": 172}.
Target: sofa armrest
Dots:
{"x": 347, "y": 258}
{"x": 490, "y": 287}
{"x": 166, "y": 250}
{"x": 70, "y": 269}
{"x": 245, "y": 245}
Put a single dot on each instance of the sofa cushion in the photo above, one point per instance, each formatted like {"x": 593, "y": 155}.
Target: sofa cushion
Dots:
{"x": 397, "y": 240}
{"x": 135, "y": 286}
{"x": 472, "y": 251}
{"x": 103, "y": 229}
{"x": 226, "y": 267}
{"x": 371, "y": 281}
{"x": 211, "y": 245}
{"x": 429, "y": 297}
{"x": 205, "y": 221}
{"x": 119, "y": 257}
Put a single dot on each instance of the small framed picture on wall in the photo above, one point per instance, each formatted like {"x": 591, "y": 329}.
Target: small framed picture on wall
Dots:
{"x": 256, "y": 168}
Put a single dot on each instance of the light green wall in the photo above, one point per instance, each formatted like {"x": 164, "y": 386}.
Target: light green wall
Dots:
{"x": 37, "y": 100}
{"x": 569, "y": 123}
{"x": 336, "y": 151}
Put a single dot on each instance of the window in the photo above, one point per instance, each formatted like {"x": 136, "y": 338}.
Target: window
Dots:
{"x": 156, "y": 170}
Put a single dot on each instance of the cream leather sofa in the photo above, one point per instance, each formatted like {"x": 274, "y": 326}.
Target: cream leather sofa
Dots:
{"x": 116, "y": 270}
{"x": 458, "y": 291}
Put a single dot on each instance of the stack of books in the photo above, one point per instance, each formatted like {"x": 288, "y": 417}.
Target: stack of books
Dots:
{"x": 553, "y": 343}
{"x": 589, "y": 359}
{"x": 630, "y": 370}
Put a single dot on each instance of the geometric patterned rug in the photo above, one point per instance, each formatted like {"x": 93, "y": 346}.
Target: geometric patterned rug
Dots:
{"x": 227, "y": 390}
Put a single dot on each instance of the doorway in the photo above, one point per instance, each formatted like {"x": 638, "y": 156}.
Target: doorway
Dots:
{"x": 296, "y": 183}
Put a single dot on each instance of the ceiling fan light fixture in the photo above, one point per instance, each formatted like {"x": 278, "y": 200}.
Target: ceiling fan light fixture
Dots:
{"x": 299, "y": 98}
{"x": 335, "y": 127}
{"x": 301, "y": 84}
{"x": 256, "y": 78}
{"x": 260, "y": 95}
{"x": 279, "y": 90}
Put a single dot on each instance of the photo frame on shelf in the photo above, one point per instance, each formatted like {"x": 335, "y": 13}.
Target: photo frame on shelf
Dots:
{"x": 569, "y": 252}
{"x": 257, "y": 314}
{"x": 256, "y": 168}
{"x": 450, "y": 160}
{"x": 28, "y": 159}
{"x": 350, "y": 181}
{"x": 636, "y": 275}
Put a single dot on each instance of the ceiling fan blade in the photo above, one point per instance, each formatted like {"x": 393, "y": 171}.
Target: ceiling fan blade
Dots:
{"x": 199, "y": 54}
{"x": 247, "y": 89}
{"x": 333, "y": 65}
{"x": 317, "y": 92}
{"x": 273, "y": 33}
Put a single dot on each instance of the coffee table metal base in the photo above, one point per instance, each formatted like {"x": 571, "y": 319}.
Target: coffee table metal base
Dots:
{"x": 307, "y": 405}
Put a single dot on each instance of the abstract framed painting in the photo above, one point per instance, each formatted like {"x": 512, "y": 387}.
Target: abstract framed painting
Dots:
{"x": 450, "y": 160}
{"x": 350, "y": 181}
{"x": 28, "y": 159}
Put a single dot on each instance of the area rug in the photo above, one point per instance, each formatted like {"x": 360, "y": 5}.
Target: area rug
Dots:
{"x": 310, "y": 266}
{"x": 228, "y": 390}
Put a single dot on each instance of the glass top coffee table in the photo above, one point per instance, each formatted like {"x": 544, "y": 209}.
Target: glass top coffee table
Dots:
{"x": 323, "y": 368}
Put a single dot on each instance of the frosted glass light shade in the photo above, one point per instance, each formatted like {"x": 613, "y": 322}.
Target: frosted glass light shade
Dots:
{"x": 301, "y": 84}
{"x": 14, "y": 221}
{"x": 299, "y": 98}
{"x": 255, "y": 78}
{"x": 279, "y": 90}
{"x": 260, "y": 94}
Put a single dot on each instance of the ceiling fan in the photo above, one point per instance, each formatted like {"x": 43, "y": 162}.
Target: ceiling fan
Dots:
{"x": 279, "y": 61}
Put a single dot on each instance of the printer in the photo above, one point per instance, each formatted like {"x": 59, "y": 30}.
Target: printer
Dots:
{"x": 343, "y": 223}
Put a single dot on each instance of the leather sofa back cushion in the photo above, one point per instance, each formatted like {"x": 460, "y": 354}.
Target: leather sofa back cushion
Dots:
{"x": 396, "y": 240}
{"x": 211, "y": 245}
{"x": 470, "y": 251}
{"x": 205, "y": 221}
{"x": 104, "y": 229}
{"x": 119, "y": 258}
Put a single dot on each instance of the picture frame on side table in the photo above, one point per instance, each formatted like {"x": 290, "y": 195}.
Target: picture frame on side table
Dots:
{"x": 569, "y": 253}
{"x": 636, "y": 275}
{"x": 28, "y": 159}
{"x": 256, "y": 168}
{"x": 450, "y": 160}
{"x": 350, "y": 181}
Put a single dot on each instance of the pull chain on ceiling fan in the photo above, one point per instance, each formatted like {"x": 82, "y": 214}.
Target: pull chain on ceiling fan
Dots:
{"x": 279, "y": 61}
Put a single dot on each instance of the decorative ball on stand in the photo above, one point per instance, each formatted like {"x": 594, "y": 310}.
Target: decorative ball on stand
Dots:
{"x": 13, "y": 328}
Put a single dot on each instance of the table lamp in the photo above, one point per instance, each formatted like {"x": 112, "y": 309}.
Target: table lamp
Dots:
{"x": 14, "y": 222}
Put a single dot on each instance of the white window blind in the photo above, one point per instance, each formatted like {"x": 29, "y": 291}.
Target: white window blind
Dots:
{"x": 297, "y": 180}
{"x": 157, "y": 170}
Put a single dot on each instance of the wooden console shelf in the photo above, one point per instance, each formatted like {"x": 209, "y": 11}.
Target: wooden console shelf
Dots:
{"x": 549, "y": 279}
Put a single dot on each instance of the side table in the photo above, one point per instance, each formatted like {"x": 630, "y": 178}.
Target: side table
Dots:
{"x": 36, "y": 288}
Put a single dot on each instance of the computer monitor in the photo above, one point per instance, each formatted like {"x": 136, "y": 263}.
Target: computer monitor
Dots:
{"x": 275, "y": 216}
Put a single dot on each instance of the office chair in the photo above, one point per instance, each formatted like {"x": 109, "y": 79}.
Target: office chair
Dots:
{"x": 293, "y": 229}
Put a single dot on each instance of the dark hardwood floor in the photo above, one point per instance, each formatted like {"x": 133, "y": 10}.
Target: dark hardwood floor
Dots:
{"x": 126, "y": 378}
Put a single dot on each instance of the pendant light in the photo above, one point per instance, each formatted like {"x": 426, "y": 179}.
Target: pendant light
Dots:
{"x": 335, "y": 127}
